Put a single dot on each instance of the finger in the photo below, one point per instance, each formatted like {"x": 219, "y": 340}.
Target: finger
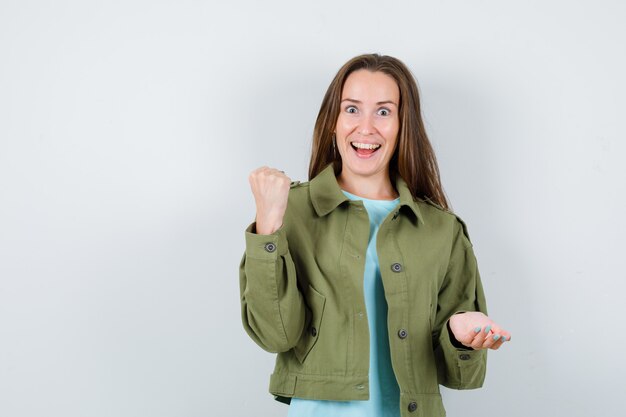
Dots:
{"x": 496, "y": 328}
{"x": 504, "y": 337}
{"x": 278, "y": 172}
{"x": 479, "y": 339}
{"x": 258, "y": 171}
{"x": 491, "y": 339}
{"x": 498, "y": 334}
{"x": 469, "y": 337}
{"x": 494, "y": 341}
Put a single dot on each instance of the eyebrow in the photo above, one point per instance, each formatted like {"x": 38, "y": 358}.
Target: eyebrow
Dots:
{"x": 360, "y": 102}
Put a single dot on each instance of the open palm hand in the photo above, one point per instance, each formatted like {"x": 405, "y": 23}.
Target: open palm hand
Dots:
{"x": 476, "y": 330}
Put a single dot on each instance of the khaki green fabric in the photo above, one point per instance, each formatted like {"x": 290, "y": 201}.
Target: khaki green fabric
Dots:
{"x": 302, "y": 297}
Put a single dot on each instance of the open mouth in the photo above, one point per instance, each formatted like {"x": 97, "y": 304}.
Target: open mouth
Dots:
{"x": 364, "y": 149}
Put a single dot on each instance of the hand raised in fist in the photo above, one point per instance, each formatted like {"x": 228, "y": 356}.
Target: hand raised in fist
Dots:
{"x": 271, "y": 191}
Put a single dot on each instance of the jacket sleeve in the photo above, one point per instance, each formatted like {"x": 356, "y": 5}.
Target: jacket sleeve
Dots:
{"x": 272, "y": 308}
{"x": 459, "y": 367}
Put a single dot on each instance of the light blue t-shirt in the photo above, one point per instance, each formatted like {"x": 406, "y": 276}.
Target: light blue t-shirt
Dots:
{"x": 384, "y": 398}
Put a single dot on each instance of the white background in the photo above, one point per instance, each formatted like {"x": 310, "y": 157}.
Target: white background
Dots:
{"x": 127, "y": 132}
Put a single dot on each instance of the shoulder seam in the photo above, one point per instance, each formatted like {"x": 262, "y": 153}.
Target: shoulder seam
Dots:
{"x": 296, "y": 184}
{"x": 432, "y": 203}
{"x": 457, "y": 217}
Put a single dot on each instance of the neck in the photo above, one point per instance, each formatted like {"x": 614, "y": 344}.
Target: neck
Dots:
{"x": 376, "y": 187}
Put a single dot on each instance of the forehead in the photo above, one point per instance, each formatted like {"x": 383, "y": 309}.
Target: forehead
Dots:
{"x": 364, "y": 84}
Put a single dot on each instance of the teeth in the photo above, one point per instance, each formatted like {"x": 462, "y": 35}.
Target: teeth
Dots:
{"x": 365, "y": 145}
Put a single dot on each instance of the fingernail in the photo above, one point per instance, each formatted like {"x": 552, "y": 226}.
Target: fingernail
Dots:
{"x": 504, "y": 338}
{"x": 487, "y": 328}
{"x": 496, "y": 336}
{"x": 476, "y": 330}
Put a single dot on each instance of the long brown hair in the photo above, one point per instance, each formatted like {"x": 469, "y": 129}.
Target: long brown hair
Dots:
{"x": 414, "y": 159}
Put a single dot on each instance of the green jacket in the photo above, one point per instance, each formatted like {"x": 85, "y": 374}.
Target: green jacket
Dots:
{"x": 302, "y": 297}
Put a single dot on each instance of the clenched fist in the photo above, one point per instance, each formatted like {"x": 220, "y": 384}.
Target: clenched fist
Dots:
{"x": 271, "y": 190}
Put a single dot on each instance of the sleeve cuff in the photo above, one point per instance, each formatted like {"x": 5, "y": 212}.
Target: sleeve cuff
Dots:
{"x": 464, "y": 355}
{"x": 265, "y": 246}
{"x": 455, "y": 343}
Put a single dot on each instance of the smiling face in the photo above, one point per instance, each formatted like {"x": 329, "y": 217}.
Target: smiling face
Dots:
{"x": 368, "y": 123}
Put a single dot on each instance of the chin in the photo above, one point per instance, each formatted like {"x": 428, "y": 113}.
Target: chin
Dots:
{"x": 364, "y": 171}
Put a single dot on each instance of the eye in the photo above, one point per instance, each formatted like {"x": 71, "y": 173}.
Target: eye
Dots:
{"x": 384, "y": 112}
{"x": 351, "y": 109}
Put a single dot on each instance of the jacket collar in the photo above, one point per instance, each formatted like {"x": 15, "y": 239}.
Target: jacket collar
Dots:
{"x": 326, "y": 194}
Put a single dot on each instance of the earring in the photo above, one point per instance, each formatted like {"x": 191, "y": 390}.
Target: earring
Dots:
{"x": 334, "y": 153}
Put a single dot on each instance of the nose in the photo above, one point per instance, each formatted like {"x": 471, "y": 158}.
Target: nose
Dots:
{"x": 366, "y": 125}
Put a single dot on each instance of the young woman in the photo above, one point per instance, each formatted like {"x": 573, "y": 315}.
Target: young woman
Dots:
{"x": 362, "y": 279}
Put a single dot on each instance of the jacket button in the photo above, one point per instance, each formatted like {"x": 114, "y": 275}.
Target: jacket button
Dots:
{"x": 464, "y": 356}
{"x": 412, "y": 406}
{"x": 270, "y": 247}
{"x": 402, "y": 334}
{"x": 396, "y": 267}
{"x": 313, "y": 331}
